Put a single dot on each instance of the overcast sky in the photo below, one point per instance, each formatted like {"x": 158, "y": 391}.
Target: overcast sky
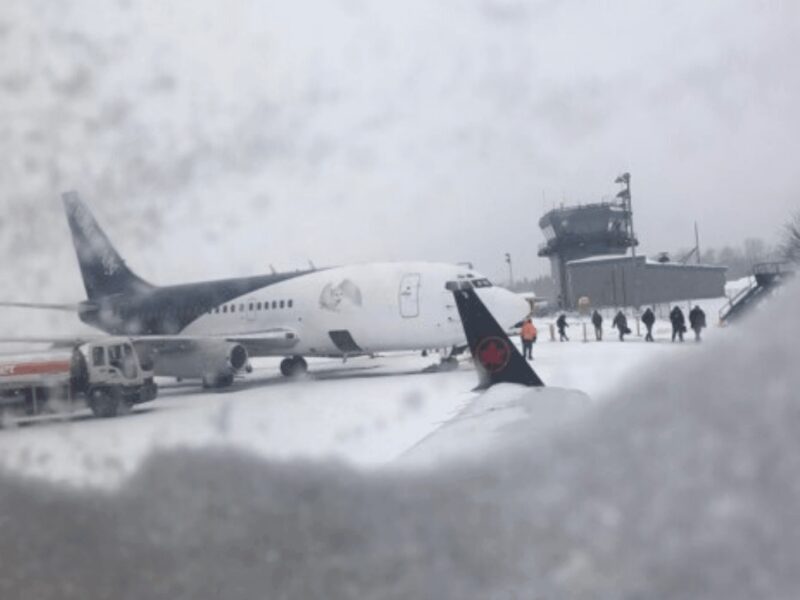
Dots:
{"x": 215, "y": 139}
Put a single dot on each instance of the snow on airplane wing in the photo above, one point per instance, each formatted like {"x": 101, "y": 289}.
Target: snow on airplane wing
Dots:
{"x": 503, "y": 417}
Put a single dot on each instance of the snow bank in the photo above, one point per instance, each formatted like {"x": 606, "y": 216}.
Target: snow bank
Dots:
{"x": 685, "y": 486}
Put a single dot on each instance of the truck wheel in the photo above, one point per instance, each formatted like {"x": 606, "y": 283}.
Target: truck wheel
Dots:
{"x": 224, "y": 381}
{"x": 124, "y": 407}
{"x": 149, "y": 391}
{"x": 104, "y": 402}
{"x": 30, "y": 409}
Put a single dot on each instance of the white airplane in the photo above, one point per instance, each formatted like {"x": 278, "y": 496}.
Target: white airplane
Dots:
{"x": 208, "y": 330}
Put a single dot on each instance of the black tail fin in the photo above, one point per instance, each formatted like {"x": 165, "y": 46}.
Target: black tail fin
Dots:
{"x": 104, "y": 272}
{"x": 495, "y": 356}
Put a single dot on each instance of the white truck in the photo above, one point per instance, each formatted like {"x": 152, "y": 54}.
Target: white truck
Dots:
{"x": 106, "y": 374}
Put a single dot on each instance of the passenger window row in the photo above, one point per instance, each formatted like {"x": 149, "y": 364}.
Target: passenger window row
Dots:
{"x": 250, "y": 306}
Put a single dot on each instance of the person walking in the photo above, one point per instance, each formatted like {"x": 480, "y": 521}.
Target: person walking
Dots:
{"x": 678, "y": 323}
{"x": 597, "y": 321}
{"x": 697, "y": 321}
{"x": 562, "y": 325}
{"x": 649, "y": 319}
{"x": 620, "y": 322}
{"x": 528, "y": 335}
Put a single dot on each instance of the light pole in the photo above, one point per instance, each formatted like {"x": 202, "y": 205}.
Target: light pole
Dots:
{"x": 510, "y": 271}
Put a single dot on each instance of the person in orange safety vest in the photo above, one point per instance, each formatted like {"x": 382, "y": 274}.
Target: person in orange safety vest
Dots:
{"x": 528, "y": 335}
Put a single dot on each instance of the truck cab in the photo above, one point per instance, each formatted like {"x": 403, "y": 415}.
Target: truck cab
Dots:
{"x": 114, "y": 378}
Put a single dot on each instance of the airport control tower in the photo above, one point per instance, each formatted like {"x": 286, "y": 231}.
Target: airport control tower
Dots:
{"x": 578, "y": 232}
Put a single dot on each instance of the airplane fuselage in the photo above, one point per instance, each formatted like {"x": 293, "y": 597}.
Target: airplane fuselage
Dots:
{"x": 337, "y": 311}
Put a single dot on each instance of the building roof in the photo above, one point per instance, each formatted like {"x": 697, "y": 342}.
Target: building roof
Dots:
{"x": 642, "y": 259}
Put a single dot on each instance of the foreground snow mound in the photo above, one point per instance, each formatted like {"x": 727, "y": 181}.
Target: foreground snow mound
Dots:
{"x": 684, "y": 487}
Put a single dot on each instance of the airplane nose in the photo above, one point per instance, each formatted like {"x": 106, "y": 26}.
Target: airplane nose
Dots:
{"x": 518, "y": 308}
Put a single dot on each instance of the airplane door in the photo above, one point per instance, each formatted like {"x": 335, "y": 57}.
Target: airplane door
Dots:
{"x": 409, "y": 295}
{"x": 249, "y": 313}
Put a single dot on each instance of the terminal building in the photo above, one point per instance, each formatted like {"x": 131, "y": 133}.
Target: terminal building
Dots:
{"x": 588, "y": 250}
{"x": 638, "y": 281}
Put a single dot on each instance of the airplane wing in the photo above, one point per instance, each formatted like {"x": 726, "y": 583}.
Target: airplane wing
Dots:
{"x": 268, "y": 341}
{"x": 68, "y": 307}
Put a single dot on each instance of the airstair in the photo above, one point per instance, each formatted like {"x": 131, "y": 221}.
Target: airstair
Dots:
{"x": 766, "y": 278}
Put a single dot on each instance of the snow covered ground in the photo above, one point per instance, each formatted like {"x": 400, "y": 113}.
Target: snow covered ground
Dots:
{"x": 366, "y": 412}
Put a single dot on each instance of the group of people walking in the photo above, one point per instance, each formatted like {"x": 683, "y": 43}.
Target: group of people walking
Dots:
{"x": 697, "y": 322}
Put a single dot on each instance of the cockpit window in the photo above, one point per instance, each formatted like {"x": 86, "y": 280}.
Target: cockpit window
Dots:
{"x": 467, "y": 284}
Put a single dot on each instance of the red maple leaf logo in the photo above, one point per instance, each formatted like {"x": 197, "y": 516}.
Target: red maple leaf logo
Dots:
{"x": 493, "y": 354}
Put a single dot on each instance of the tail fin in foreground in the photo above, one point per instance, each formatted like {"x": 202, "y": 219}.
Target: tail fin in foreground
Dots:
{"x": 496, "y": 357}
{"x": 103, "y": 270}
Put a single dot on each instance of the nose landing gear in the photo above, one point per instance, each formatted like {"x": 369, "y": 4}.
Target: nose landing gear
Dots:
{"x": 449, "y": 363}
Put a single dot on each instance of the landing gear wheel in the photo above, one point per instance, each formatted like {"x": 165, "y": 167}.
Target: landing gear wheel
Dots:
{"x": 104, "y": 402}
{"x": 449, "y": 364}
{"x": 294, "y": 366}
{"x": 217, "y": 381}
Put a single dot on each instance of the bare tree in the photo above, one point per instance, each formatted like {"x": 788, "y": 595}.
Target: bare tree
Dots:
{"x": 790, "y": 247}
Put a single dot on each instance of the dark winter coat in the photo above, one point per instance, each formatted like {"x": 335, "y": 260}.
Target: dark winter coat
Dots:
{"x": 597, "y": 319}
{"x": 561, "y": 323}
{"x": 677, "y": 319}
{"x": 648, "y": 317}
{"x": 621, "y": 322}
{"x": 697, "y": 318}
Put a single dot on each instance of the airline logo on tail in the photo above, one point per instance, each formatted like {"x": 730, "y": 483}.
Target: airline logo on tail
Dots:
{"x": 495, "y": 356}
{"x": 494, "y": 353}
